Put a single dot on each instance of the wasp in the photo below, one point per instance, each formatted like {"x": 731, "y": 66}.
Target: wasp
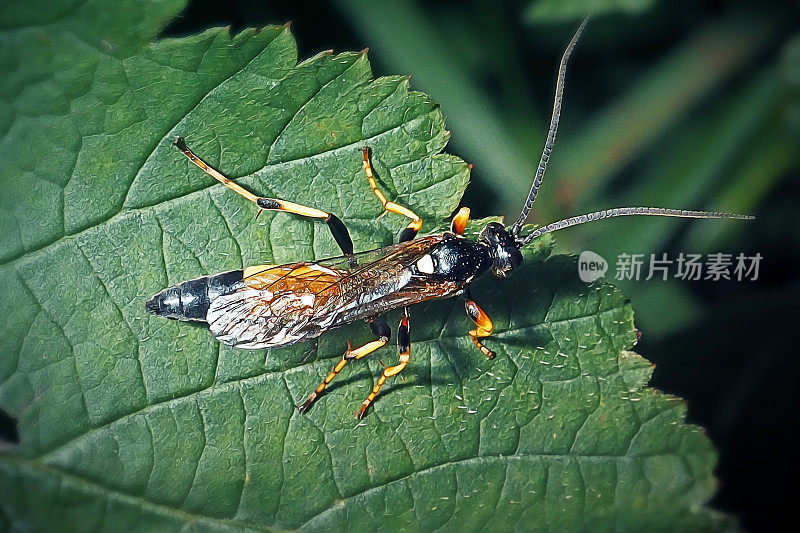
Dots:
{"x": 267, "y": 306}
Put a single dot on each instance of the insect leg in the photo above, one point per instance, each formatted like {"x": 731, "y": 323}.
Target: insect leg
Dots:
{"x": 404, "y": 347}
{"x": 482, "y": 321}
{"x": 336, "y": 226}
{"x": 459, "y": 223}
{"x": 381, "y": 329}
{"x": 416, "y": 223}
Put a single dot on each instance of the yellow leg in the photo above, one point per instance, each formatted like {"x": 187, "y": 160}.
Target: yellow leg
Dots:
{"x": 214, "y": 173}
{"x": 484, "y": 327}
{"x": 416, "y": 222}
{"x": 263, "y": 203}
{"x": 387, "y": 373}
{"x": 404, "y": 345}
{"x": 338, "y": 229}
{"x": 349, "y": 355}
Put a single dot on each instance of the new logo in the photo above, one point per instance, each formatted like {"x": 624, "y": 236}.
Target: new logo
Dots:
{"x": 591, "y": 266}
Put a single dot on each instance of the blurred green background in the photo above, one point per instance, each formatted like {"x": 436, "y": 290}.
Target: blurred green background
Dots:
{"x": 681, "y": 104}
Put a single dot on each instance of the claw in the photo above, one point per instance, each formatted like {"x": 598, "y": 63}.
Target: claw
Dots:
{"x": 304, "y": 407}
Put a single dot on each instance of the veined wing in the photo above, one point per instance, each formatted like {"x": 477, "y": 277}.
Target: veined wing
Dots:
{"x": 283, "y": 304}
{"x": 362, "y": 260}
{"x": 274, "y": 306}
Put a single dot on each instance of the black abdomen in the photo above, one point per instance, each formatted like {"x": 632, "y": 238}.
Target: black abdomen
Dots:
{"x": 190, "y": 300}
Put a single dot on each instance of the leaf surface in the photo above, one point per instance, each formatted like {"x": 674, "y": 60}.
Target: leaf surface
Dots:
{"x": 128, "y": 421}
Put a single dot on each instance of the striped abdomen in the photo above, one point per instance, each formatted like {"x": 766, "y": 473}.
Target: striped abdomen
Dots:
{"x": 190, "y": 300}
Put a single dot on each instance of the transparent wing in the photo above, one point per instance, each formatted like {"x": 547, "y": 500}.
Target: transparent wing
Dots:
{"x": 283, "y": 304}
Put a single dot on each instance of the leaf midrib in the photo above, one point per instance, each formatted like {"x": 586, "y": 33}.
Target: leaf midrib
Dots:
{"x": 133, "y": 499}
{"x": 37, "y": 465}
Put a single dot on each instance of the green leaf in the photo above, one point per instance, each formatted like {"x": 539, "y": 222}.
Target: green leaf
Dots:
{"x": 128, "y": 421}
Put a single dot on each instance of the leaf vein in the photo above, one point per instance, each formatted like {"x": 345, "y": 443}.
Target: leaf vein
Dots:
{"x": 121, "y": 212}
{"x": 130, "y": 499}
{"x": 302, "y": 107}
{"x": 121, "y": 316}
{"x": 194, "y": 107}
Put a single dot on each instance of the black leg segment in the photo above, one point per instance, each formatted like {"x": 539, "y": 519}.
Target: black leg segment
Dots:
{"x": 404, "y": 347}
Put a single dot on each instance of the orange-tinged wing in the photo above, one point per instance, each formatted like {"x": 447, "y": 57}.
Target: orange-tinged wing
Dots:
{"x": 274, "y": 306}
{"x": 283, "y": 304}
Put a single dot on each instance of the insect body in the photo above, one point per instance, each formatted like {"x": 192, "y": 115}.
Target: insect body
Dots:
{"x": 275, "y": 305}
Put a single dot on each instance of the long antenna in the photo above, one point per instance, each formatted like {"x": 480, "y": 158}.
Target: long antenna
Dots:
{"x": 551, "y": 134}
{"x": 626, "y": 211}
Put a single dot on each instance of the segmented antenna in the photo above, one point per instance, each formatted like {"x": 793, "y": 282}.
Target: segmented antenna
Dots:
{"x": 627, "y": 211}
{"x": 551, "y": 134}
